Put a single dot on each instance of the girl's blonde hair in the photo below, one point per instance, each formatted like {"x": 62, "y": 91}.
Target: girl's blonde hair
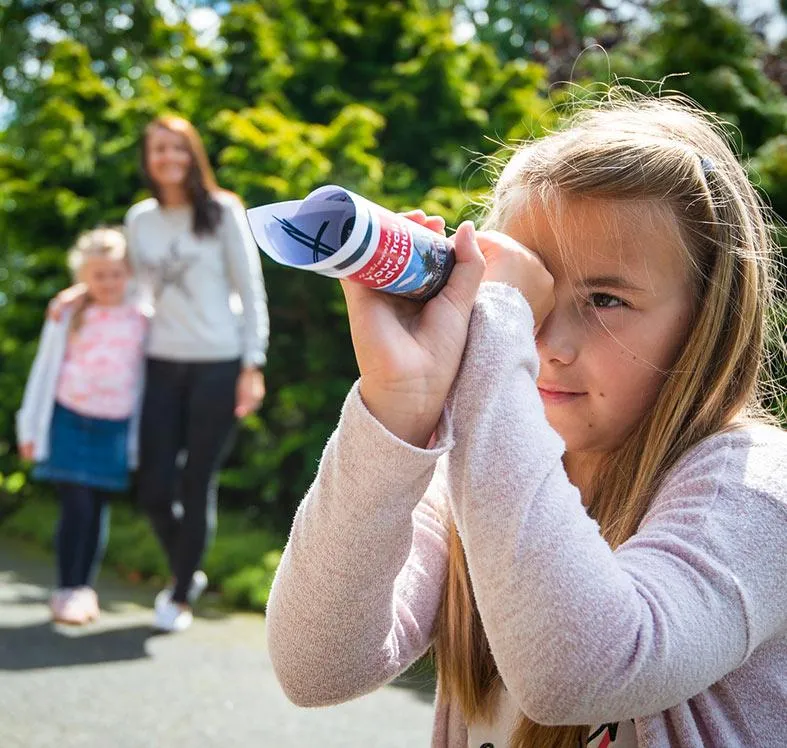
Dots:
{"x": 105, "y": 242}
{"x": 664, "y": 153}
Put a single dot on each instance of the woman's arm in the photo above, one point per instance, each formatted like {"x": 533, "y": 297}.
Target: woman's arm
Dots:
{"x": 245, "y": 272}
{"x": 67, "y": 299}
{"x": 356, "y": 594}
{"x": 580, "y": 634}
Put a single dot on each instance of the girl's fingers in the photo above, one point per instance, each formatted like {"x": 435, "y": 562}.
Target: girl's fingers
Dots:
{"x": 465, "y": 278}
{"x": 493, "y": 243}
{"x": 435, "y": 223}
{"x": 462, "y": 285}
{"x": 415, "y": 215}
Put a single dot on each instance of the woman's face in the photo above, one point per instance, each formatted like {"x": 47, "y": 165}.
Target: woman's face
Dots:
{"x": 167, "y": 157}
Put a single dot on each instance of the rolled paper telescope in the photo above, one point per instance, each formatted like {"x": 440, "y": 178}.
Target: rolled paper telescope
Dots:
{"x": 339, "y": 234}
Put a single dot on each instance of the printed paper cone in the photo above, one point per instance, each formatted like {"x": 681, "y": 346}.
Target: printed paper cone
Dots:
{"x": 337, "y": 233}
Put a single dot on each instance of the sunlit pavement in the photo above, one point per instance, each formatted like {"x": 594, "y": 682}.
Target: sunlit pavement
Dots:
{"x": 118, "y": 684}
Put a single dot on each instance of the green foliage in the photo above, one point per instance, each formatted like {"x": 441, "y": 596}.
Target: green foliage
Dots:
{"x": 240, "y": 564}
{"x": 768, "y": 168}
{"x": 551, "y": 32}
{"x": 705, "y": 52}
{"x": 290, "y": 95}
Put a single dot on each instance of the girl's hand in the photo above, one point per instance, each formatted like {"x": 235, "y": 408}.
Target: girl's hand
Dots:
{"x": 408, "y": 353}
{"x": 249, "y": 392}
{"x": 27, "y": 451}
{"x": 64, "y": 299}
{"x": 508, "y": 261}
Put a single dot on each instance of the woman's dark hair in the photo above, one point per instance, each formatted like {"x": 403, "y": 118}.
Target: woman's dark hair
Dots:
{"x": 200, "y": 184}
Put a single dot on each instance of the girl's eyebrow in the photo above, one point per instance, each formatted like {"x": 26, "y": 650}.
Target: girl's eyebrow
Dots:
{"x": 610, "y": 281}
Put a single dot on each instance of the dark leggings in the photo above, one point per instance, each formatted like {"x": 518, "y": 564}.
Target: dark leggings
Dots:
{"x": 187, "y": 423}
{"x": 81, "y": 533}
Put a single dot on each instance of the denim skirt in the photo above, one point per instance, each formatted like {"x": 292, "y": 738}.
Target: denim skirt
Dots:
{"x": 87, "y": 451}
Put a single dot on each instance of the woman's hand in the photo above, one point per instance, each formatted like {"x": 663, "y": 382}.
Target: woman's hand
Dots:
{"x": 27, "y": 451}
{"x": 65, "y": 299}
{"x": 408, "y": 353}
{"x": 510, "y": 262}
{"x": 249, "y": 392}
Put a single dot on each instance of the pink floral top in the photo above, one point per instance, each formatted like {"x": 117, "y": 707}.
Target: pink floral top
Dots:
{"x": 100, "y": 373}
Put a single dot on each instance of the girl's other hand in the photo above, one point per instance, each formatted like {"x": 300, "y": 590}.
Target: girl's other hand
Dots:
{"x": 510, "y": 262}
{"x": 65, "y": 299}
{"x": 27, "y": 451}
{"x": 408, "y": 353}
{"x": 249, "y": 392}
{"x": 435, "y": 223}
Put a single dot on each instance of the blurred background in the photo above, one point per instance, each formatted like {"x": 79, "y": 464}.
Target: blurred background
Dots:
{"x": 404, "y": 101}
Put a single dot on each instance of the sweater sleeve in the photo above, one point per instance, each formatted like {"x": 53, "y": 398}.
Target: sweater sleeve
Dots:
{"x": 141, "y": 284}
{"x": 245, "y": 272}
{"x": 582, "y": 635}
{"x": 46, "y": 365}
{"x": 356, "y": 594}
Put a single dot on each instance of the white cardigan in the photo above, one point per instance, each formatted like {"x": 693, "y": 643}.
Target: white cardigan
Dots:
{"x": 33, "y": 419}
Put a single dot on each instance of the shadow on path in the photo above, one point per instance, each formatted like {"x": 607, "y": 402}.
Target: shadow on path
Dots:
{"x": 45, "y": 645}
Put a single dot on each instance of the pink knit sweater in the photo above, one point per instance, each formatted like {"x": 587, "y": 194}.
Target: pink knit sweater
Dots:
{"x": 683, "y": 627}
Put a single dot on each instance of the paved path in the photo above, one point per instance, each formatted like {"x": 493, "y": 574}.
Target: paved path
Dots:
{"x": 118, "y": 684}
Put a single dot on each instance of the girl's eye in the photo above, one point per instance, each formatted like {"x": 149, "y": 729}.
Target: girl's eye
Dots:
{"x": 605, "y": 301}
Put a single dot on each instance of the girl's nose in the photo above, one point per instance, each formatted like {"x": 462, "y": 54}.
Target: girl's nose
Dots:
{"x": 558, "y": 337}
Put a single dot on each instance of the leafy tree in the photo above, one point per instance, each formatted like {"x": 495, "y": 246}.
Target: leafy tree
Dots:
{"x": 704, "y": 51}
{"x": 554, "y": 34}
{"x": 290, "y": 95}
{"x": 293, "y": 94}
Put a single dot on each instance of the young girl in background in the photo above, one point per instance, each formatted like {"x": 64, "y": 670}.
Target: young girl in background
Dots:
{"x": 594, "y": 540}
{"x": 76, "y": 418}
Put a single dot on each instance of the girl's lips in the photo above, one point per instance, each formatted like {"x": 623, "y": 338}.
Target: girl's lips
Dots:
{"x": 558, "y": 397}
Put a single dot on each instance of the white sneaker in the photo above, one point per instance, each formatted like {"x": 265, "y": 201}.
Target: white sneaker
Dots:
{"x": 199, "y": 583}
{"x": 171, "y": 617}
{"x": 90, "y": 602}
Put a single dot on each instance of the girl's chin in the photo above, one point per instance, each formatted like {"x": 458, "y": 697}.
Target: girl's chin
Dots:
{"x": 108, "y": 300}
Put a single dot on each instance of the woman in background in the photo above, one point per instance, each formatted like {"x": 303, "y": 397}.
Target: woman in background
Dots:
{"x": 194, "y": 258}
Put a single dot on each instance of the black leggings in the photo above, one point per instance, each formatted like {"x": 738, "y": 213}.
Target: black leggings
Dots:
{"x": 187, "y": 424}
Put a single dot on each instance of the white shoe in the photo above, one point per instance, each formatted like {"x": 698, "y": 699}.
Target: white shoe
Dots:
{"x": 76, "y": 606}
{"x": 199, "y": 583}
{"x": 171, "y": 617}
{"x": 90, "y": 602}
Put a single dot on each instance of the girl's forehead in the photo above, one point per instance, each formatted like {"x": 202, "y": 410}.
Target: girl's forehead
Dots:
{"x": 590, "y": 237}
{"x": 103, "y": 262}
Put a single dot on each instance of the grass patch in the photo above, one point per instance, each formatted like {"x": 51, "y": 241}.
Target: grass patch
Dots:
{"x": 240, "y": 563}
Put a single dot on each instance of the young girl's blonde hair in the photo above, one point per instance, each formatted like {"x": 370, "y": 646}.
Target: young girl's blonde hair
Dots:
{"x": 105, "y": 242}
{"x": 663, "y": 153}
